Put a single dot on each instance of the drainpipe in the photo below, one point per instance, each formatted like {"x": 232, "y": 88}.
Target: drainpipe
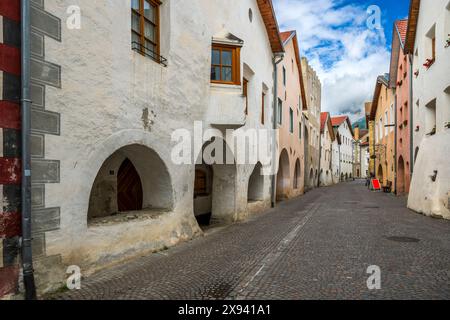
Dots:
{"x": 396, "y": 146}
{"x": 280, "y": 57}
{"x": 320, "y": 157}
{"x": 411, "y": 120}
{"x": 27, "y": 257}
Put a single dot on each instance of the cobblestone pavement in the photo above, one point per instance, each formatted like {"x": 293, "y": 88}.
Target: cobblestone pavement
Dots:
{"x": 318, "y": 246}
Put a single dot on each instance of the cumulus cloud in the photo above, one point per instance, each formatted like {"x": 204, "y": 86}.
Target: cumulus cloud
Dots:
{"x": 347, "y": 54}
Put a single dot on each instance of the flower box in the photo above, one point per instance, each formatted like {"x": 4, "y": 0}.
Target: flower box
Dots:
{"x": 429, "y": 63}
{"x": 416, "y": 73}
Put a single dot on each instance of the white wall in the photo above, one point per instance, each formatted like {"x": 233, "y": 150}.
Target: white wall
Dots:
{"x": 326, "y": 177}
{"x": 346, "y": 150}
{"x": 426, "y": 196}
{"x": 106, "y": 88}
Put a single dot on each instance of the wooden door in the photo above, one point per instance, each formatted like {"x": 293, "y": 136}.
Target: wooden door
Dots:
{"x": 129, "y": 188}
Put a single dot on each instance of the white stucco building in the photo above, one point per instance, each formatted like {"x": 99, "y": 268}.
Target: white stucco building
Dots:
{"x": 428, "y": 41}
{"x": 327, "y": 139}
{"x": 123, "y": 84}
{"x": 344, "y": 128}
{"x": 336, "y": 157}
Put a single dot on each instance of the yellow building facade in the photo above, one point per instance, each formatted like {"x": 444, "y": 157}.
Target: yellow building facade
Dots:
{"x": 382, "y": 131}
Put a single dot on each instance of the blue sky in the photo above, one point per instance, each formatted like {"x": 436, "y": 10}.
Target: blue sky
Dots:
{"x": 347, "y": 52}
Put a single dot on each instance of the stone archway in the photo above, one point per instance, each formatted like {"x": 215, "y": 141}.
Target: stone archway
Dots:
{"x": 217, "y": 160}
{"x": 283, "y": 176}
{"x": 255, "y": 190}
{"x": 401, "y": 183}
{"x": 297, "y": 174}
{"x": 380, "y": 176}
{"x": 133, "y": 178}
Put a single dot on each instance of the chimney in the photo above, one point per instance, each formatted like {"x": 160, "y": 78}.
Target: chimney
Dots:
{"x": 357, "y": 133}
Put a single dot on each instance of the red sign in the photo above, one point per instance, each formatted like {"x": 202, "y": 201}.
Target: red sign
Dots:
{"x": 376, "y": 185}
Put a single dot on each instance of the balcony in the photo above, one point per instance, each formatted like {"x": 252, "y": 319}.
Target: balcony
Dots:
{"x": 226, "y": 107}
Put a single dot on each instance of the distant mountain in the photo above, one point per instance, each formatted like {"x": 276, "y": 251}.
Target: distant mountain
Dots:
{"x": 361, "y": 123}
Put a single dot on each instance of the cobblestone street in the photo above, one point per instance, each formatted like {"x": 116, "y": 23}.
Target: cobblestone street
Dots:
{"x": 318, "y": 246}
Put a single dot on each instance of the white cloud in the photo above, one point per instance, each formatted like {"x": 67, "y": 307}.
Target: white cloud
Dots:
{"x": 347, "y": 55}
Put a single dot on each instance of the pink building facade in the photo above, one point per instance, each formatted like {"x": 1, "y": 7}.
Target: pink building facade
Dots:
{"x": 400, "y": 79}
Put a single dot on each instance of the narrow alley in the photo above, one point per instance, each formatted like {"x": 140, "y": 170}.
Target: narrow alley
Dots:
{"x": 315, "y": 247}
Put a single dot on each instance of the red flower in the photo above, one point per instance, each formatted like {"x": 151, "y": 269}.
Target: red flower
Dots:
{"x": 429, "y": 63}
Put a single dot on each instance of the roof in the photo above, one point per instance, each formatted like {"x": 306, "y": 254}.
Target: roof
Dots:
{"x": 339, "y": 120}
{"x": 363, "y": 132}
{"x": 325, "y": 120}
{"x": 398, "y": 42}
{"x": 402, "y": 27}
{"x": 270, "y": 21}
{"x": 412, "y": 26}
{"x": 286, "y": 37}
{"x": 381, "y": 80}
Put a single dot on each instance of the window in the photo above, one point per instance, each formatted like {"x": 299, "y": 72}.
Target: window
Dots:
{"x": 386, "y": 121}
{"x": 145, "y": 26}
{"x": 263, "y": 107}
{"x": 225, "y": 64}
{"x": 430, "y": 47}
{"x": 284, "y": 76}
{"x": 245, "y": 94}
{"x": 280, "y": 112}
{"x": 291, "y": 120}
{"x": 300, "y": 130}
{"x": 392, "y": 116}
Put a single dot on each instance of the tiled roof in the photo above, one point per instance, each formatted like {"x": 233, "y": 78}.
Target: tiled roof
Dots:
{"x": 323, "y": 120}
{"x": 286, "y": 35}
{"x": 270, "y": 21}
{"x": 402, "y": 27}
{"x": 337, "y": 121}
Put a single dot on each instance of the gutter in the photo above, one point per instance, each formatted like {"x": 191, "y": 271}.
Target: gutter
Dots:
{"x": 279, "y": 55}
{"x": 396, "y": 144}
{"x": 27, "y": 256}
{"x": 412, "y": 159}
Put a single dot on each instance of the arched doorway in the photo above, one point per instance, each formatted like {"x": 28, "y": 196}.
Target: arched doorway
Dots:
{"x": 256, "y": 185}
{"x": 129, "y": 188}
{"x": 297, "y": 173}
{"x": 215, "y": 179}
{"x": 401, "y": 176}
{"x": 307, "y": 163}
{"x": 203, "y": 193}
{"x": 311, "y": 178}
{"x": 283, "y": 176}
{"x": 380, "y": 174}
{"x": 134, "y": 178}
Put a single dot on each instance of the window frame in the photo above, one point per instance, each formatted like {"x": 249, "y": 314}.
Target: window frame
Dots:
{"x": 235, "y": 64}
{"x": 244, "y": 93}
{"x": 280, "y": 112}
{"x": 142, "y": 19}
{"x": 263, "y": 107}
{"x": 291, "y": 120}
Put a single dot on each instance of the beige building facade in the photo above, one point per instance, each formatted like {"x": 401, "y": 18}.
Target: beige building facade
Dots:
{"x": 290, "y": 105}
{"x": 313, "y": 89}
